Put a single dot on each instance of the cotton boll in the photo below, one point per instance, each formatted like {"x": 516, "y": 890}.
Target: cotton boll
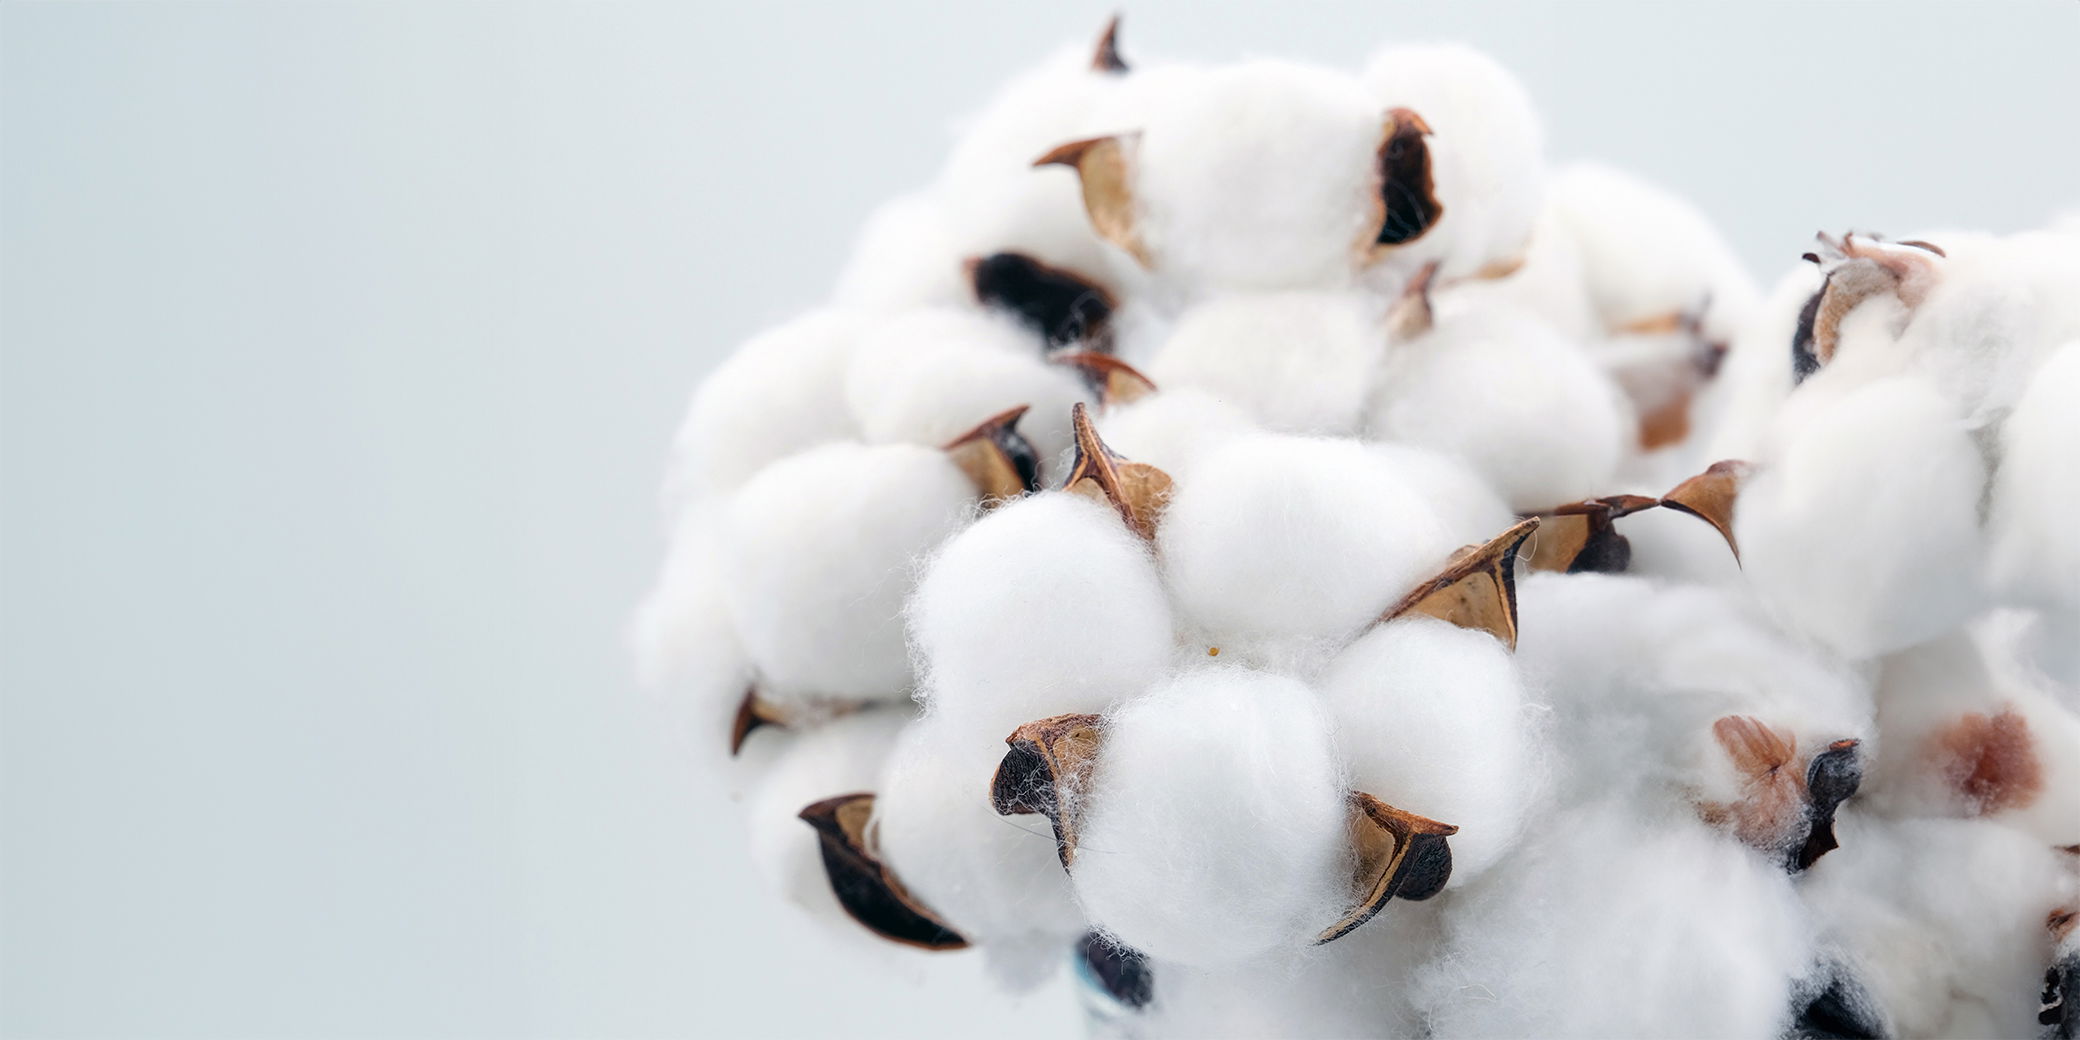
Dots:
{"x": 1215, "y": 825}
{"x": 1274, "y": 538}
{"x": 1048, "y": 605}
{"x": 1295, "y": 362}
{"x": 928, "y": 376}
{"x": 1431, "y": 718}
{"x": 837, "y": 757}
{"x": 907, "y": 255}
{"x": 2034, "y": 557}
{"x": 1942, "y": 921}
{"x": 995, "y": 879}
{"x": 820, "y": 552}
{"x": 1615, "y": 924}
{"x": 1487, "y": 149}
{"x": 782, "y": 391}
{"x": 1469, "y": 508}
{"x": 1526, "y": 409}
{"x": 1171, "y": 429}
{"x": 1863, "y": 530}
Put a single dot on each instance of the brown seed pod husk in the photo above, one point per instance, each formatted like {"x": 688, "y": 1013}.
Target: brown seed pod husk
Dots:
{"x": 863, "y": 885}
{"x": 1710, "y": 497}
{"x": 1831, "y": 779}
{"x": 1060, "y": 305}
{"x": 755, "y": 712}
{"x": 1412, "y": 314}
{"x": 1108, "y": 197}
{"x": 1405, "y": 206}
{"x": 1478, "y": 589}
{"x": 1105, "y": 56}
{"x": 1862, "y": 266}
{"x": 998, "y": 458}
{"x": 1114, "y": 381}
{"x": 1580, "y": 537}
{"x": 1047, "y": 770}
{"x": 1137, "y": 490}
{"x": 1399, "y": 856}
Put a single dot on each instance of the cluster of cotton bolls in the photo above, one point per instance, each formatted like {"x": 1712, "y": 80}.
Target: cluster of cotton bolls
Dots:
{"x": 1254, "y": 534}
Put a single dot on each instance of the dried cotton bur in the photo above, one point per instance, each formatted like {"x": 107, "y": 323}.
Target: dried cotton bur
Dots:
{"x": 1262, "y": 536}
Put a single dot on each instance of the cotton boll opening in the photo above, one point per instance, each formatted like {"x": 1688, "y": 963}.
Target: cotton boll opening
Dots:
{"x": 820, "y": 553}
{"x": 1297, "y": 362}
{"x": 1215, "y": 828}
{"x": 1046, "y": 606}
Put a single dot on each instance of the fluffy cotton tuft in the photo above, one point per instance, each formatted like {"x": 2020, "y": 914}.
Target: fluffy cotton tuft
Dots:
{"x": 1170, "y": 430}
{"x": 820, "y": 553}
{"x": 1296, "y": 362}
{"x": 906, "y": 256}
{"x": 1215, "y": 829}
{"x": 2035, "y": 555}
{"x": 1047, "y": 606}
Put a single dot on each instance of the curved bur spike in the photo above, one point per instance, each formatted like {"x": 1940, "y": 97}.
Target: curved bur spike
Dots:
{"x": 755, "y": 712}
{"x": 1478, "y": 589}
{"x": 998, "y": 458}
{"x": 1105, "y": 56}
{"x": 1710, "y": 496}
{"x": 863, "y": 885}
{"x": 1121, "y": 972}
{"x": 1102, "y": 164}
{"x": 1055, "y": 302}
{"x": 1580, "y": 537}
{"x": 1412, "y": 315}
{"x": 1831, "y": 779}
{"x": 1114, "y": 381}
{"x": 1399, "y": 856}
{"x": 1406, "y": 205}
{"x": 1047, "y": 771}
{"x": 1136, "y": 489}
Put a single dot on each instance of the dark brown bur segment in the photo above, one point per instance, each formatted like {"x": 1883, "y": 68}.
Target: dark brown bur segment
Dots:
{"x": 1710, "y": 497}
{"x": 1477, "y": 590}
{"x": 1399, "y": 856}
{"x": 1122, "y": 971}
{"x": 1105, "y": 56}
{"x": 998, "y": 458}
{"x": 752, "y": 713}
{"x": 1580, "y": 537}
{"x": 1137, "y": 490}
{"x": 1408, "y": 204}
{"x": 1059, "y": 304}
{"x": 1831, "y": 779}
{"x": 1046, "y": 771}
{"x": 1114, "y": 381}
{"x": 863, "y": 885}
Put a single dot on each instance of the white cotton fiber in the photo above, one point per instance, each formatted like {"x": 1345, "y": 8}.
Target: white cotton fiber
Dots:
{"x": 1486, "y": 150}
{"x": 1432, "y": 720}
{"x": 1614, "y": 924}
{"x": 906, "y": 256}
{"x": 821, "y": 552}
{"x": 1756, "y": 377}
{"x": 1862, "y": 528}
{"x": 782, "y": 391}
{"x": 930, "y": 375}
{"x": 685, "y": 643}
{"x": 1046, "y": 606}
{"x": 1468, "y": 507}
{"x": 1525, "y": 408}
{"x": 1215, "y": 827}
{"x": 1172, "y": 428}
{"x": 1353, "y": 987}
{"x": 1272, "y": 538}
{"x": 1941, "y": 921}
{"x": 1295, "y": 362}
{"x": 1258, "y": 177}
{"x": 1647, "y": 253}
{"x": 2035, "y": 554}
{"x": 841, "y": 756}
{"x": 995, "y": 879}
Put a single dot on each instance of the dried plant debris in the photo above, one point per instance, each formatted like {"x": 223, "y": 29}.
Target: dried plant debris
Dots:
{"x": 1399, "y": 856}
{"x": 1478, "y": 590}
{"x": 1137, "y": 490}
{"x": 997, "y": 457}
{"x": 865, "y": 887}
{"x": 1047, "y": 771}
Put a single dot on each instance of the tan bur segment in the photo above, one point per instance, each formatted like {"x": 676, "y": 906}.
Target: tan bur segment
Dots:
{"x": 1047, "y": 771}
{"x": 998, "y": 458}
{"x": 863, "y": 885}
{"x": 1580, "y": 537}
{"x": 1137, "y": 490}
{"x": 1710, "y": 497}
{"x": 1101, "y": 164}
{"x": 1114, "y": 381}
{"x": 1477, "y": 590}
{"x": 1399, "y": 856}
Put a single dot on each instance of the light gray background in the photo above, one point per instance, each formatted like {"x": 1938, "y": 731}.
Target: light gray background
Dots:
{"x": 342, "y": 343}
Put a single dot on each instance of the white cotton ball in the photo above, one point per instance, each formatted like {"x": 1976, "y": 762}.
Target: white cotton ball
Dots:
{"x": 1611, "y": 923}
{"x": 994, "y": 879}
{"x": 821, "y": 549}
{"x": 1352, "y": 987}
{"x": 1862, "y": 529}
{"x": 1261, "y": 176}
{"x": 1040, "y": 108}
{"x": 1215, "y": 824}
{"x": 1998, "y": 309}
{"x": 685, "y": 643}
{"x": 1046, "y": 606}
{"x": 1295, "y": 362}
{"x": 907, "y": 255}
{"x": 1941, "y": 921}
{"x": 1486, "y": 148}
{"x": 841, "y": 756}
{"x": 1432, "y": 720}
{"x": 928, "y": 376}
{"x": 782, "y": 391}
{"x": 1526, "y": 409}
{"x": 1467, "y": 505}
{"x": 1549, "y": 285}
{"x": 2034, "y": 556}
{"x": 1271, "y": 538}
{"x": 1171, "y": 429}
